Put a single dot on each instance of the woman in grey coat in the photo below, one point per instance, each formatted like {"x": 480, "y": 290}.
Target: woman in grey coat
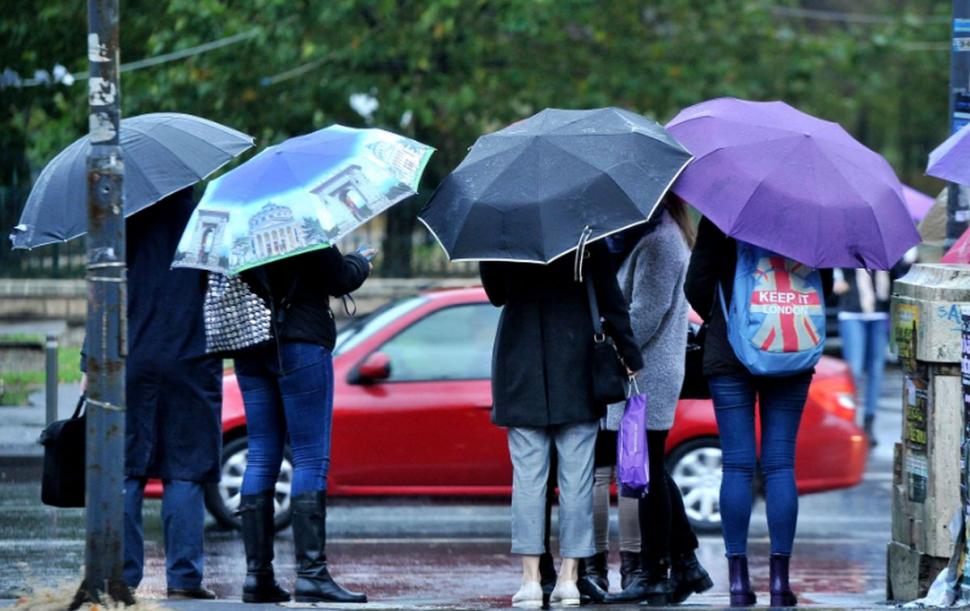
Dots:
{"x": 542, "y": 391}
{"x": 653, "y": 265}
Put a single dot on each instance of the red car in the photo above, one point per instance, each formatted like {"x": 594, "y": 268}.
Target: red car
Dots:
{"x": 412, "y": 407}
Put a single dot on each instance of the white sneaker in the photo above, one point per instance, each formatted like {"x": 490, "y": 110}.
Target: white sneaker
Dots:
{"x": 566, "y": 594}
{"x": 529, "y": 596}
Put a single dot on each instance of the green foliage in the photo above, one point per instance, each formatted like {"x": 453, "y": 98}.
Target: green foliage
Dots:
{"x": 16, "y": 386}
{"x": 446, "y": 71}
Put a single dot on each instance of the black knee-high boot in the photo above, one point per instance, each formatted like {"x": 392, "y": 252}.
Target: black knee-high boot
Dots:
{"x": 256, "y": 512}
{"x": 313, "y": 580}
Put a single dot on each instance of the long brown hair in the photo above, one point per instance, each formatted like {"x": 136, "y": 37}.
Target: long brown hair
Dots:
{"x": 677, "y": 208}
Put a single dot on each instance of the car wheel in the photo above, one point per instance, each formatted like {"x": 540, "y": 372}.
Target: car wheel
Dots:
{"x": 696, "y": 468}
{"x": 222, "y": 499}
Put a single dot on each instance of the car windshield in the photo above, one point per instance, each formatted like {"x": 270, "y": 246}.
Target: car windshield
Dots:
{"x": 361, "y": 329}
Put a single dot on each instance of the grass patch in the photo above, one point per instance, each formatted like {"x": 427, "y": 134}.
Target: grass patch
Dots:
{"x": 16, "y": 387}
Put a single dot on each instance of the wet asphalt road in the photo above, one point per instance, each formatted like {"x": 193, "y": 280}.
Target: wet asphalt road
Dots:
{"x": 418, "y": 553}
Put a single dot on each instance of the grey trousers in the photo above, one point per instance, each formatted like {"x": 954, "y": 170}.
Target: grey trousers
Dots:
{"x": 627, "y": 509}
{"x": 531, "y": 449}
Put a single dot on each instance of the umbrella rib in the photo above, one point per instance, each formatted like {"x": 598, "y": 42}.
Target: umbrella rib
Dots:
{"x": 602, "y": 171}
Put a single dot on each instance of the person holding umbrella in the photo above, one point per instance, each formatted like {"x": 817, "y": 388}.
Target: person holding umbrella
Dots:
{"x": 287, "y": 388}
{"x": 526, "y": 201}
{"x": 542, "y": 392}
{"x": 778, "y": 206}
{"x": 173, "y": 389}
{"x": 272, "y": 221}
{"x": 652, "y": 268}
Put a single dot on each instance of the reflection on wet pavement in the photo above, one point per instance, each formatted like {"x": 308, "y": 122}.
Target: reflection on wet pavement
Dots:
{"x": 439, "y": 554}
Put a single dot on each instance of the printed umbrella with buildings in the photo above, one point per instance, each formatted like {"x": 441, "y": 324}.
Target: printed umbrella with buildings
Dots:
{"x": 366, "y": 172}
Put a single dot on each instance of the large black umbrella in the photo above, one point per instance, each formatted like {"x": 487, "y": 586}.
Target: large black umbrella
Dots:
{"x": 163, "y": 152}
{"x": 528, "y": 192}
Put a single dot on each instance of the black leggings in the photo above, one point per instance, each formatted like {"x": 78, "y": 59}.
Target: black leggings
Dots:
{"x": 665, "y": 531}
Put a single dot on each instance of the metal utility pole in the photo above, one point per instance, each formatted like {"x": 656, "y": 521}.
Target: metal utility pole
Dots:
{"x": 958, "y": 202}
{"x": 107, "y": 318}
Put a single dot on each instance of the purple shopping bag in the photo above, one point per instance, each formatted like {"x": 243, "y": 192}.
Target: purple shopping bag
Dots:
{"x": 632, "y": 461}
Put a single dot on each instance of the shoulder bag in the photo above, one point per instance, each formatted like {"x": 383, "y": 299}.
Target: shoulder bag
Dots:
{"x": 62, "y": 483}
{"x": 609, "y": 373}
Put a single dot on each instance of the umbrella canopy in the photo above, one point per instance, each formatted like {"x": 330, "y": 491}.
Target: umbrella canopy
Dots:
{"x": 917, "y": 202}
{"x": 163, "y": 153}
{"x": 528, "y": 192}
{"x": 300, "y": 195}
{"x": 951, "y": 160}
{"x": 773, "y": 176}
{"x": 960, "y": 251}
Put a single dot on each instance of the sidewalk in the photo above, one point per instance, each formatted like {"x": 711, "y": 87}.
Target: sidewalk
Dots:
{"x": 20, "y": 426}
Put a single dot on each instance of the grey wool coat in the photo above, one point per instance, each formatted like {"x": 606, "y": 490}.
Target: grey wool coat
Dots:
{"x": 542, "y": 361}
{"x": 651, "y": 278}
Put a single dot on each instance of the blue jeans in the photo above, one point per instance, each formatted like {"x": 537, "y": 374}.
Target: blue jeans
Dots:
{"x": 864, "y": 347}
{"x": 183, "y": 520}
{"x": 781, "y": 402}
{"x": 289, "y": 391}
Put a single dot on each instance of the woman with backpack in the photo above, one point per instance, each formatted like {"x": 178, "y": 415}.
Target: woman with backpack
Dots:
{"x": 287, "y": 389}
{"x": 791, "y": 308}
{"x": 652, "y": 260}
{"x": 542, "y": 391}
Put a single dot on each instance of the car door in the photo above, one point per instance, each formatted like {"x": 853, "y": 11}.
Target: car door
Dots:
{"x": 427, "y": 425}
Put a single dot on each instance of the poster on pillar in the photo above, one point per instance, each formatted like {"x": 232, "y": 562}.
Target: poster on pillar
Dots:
{"x": 301, "y": 195}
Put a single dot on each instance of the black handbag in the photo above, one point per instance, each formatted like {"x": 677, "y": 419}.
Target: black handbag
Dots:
{"x": 610, "y": 377}
{"x": 62, "y": 484}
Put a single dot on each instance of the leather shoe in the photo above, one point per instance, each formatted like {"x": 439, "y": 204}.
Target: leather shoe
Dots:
{"x": 199, "y": 593}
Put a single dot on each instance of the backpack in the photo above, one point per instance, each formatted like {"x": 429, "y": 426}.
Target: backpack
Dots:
{"x": 776, "y": 318}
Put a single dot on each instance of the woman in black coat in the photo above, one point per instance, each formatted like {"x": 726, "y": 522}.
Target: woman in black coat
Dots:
{"x": 287, "y": 388}
{"x": 542, "y": 391}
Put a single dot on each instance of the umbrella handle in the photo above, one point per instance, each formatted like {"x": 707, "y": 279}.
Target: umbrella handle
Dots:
{"x": 581, "y": 253}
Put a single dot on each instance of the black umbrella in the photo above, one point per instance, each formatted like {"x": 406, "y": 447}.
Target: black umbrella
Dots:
{"x": 528, "y": 192}
{"x": 163, "y": 152}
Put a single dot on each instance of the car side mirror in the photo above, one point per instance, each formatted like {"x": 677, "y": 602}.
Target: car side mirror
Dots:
{"x": 375, "y": 368}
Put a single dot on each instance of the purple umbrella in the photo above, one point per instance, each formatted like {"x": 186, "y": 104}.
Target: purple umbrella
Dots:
{"x": 917, "y": 203}
{"x": 951, "y": 160}
{"x": 773, "y": 176}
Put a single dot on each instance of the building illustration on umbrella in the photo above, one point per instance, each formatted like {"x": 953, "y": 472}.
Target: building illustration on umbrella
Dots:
{"x": 209, "y": 229}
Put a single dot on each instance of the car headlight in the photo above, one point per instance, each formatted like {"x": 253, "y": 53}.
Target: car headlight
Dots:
{"x": 846, "y": 400}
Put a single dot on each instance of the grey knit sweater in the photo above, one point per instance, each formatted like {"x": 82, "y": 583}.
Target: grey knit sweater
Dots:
{"x": 652, "y": 280}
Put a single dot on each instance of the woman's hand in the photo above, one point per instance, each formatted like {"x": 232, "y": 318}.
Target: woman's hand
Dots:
{"x": 368, "y": 252}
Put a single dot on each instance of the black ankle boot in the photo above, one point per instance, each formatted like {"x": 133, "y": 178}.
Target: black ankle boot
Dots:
{"x": 740, "y": 584}
{"x": 867, "y": 426}
{"x": 650, "y": 585}
{"x": 597, "y": 569}
{"x": 629, "y": 566}
{"x": 688, "y": 577}
{"x": 313, "y": 580}
{"x": 256, "y": 512}
{"x": 594, "y": 584}
{"x": 781, "y": 594}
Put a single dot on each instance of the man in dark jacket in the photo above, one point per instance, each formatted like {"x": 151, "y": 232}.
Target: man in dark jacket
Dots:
{"x": 173, "y": 396}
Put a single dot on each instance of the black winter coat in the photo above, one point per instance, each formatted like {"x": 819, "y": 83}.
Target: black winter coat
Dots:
{"x": 173, "y": 391}
{"x": 302, "y": 286}
{"x": 713, "y": 261}
{"x": 542, "y": 361}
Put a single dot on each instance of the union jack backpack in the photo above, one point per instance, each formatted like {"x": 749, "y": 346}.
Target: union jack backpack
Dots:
{"x": 776, "y": 318}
